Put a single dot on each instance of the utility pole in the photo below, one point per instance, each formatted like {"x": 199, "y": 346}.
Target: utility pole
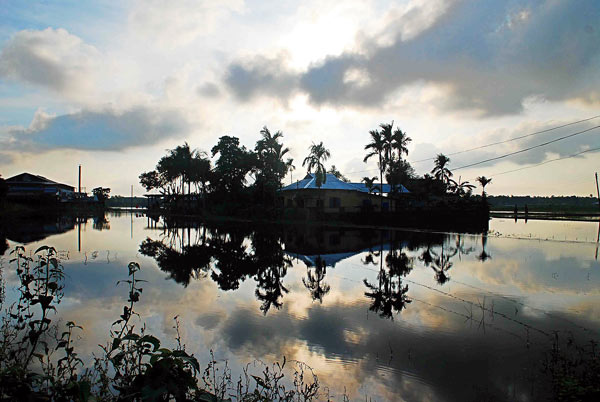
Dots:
{"x": 597, "y": 190}
{"x": 79, "y": 188}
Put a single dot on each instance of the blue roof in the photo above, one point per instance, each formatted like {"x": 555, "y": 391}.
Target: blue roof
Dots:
{"x": 333, "y": 183}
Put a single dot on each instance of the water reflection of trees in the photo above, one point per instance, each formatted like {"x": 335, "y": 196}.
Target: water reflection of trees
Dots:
{"x": 439, "y": 257}
{"x": 389, "y": 294}
{"x": 228, "y": 255}
{"x": 314, "y": 281}
{"x": 439, "y": 261}
{"x": 483, "y": 256}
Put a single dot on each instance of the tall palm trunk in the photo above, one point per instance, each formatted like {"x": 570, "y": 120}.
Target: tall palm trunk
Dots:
{"x": 380, "y": 184}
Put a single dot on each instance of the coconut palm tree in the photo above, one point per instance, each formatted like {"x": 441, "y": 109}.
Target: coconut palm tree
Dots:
{"x": 484, "y": 181}
{"x": 318, "y": 154}
{"x": 440, "y": 171}
{"x": 377, "y": 148}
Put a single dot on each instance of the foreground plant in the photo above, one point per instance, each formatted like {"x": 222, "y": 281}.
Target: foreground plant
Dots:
{"x": 36, "y": 363}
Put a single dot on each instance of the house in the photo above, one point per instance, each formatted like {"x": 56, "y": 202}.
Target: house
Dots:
{"x": 335, "y": 195}
{"x": 27, "y": 186}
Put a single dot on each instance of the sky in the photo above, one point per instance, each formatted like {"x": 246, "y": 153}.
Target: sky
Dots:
{"x": 113, "y": 85}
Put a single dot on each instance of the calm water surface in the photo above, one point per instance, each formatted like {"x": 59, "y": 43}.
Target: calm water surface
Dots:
{"x": 391, "y": 315}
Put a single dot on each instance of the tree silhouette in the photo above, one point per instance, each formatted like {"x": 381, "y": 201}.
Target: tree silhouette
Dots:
{"x": 440, "y": 170}
{"x": 377, "y": 147}
{"x": 484, "y": 181}
{"x": 271, "y": 166}
{"x": 461, "y": 188}
{"x": 318, "y": 154}
{"x": 180, "y": 167}
{"x": 333, "y": 170}
{"x": 231, "y": 168}
{"x": 400, "y": 142}
{"x": 370, "y": 183}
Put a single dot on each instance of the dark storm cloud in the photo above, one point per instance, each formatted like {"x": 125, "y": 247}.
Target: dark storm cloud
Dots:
{"x": 490, "y": 56}
{"x": 108, "y": 130}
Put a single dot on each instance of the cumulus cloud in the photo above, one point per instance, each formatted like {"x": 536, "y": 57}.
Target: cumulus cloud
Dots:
{"x": 50, "y": 58}
{"x": 101, "y": 129}
{"x": 488, "y": 56}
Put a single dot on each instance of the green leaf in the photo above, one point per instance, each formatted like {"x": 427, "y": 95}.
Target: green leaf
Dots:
{"x": 41, "y": 248}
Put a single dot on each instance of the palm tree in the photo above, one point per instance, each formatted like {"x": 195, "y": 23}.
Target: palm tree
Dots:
{"x": 400, "y": 142}
{"x": 377, "y": 147}
{"x": 318, "y": 154}
{"x": 484, "y": 181}
{"x": 369, "y": 182}
{"x": 387, "y": 137}
{"x": 440, "y": 171}
{"x": 462, "y": 187}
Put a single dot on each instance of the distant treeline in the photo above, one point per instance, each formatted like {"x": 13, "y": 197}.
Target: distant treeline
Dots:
{"x": 501, "y": 202}
{"x": 118, "y": 201}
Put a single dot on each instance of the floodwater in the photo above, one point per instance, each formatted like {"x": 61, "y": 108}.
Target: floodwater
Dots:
{"x": 385, "y": 315}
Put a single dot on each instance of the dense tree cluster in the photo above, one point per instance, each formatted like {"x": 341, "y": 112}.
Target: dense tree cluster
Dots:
{"x": 238, "y": 177}
{"x": 189, "y": 174}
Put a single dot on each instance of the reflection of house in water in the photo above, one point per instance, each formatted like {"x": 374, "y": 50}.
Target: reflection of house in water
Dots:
{"x": 330, "y": 245}
{"x": 314, "y": 244}
{"x": 31, "y": 230}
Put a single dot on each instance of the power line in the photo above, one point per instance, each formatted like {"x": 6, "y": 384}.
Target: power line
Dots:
{"x": 512, "y": 139}
{"x": 548, "y": 161}
{"x": 526, "y": 149}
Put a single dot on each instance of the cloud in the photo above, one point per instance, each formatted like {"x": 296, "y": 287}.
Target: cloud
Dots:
{"x": 103, "y": 129}
{"x": 6, "y": 158}
{"x": 209, "y": 90}
{"x": 177, "y": 23}
{"x": 51, "y": 58}
{"x": 261, "y": 76}
{"x": 488, "y": 57}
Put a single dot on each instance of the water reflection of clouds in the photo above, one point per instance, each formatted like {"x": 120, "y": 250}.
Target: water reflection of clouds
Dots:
{"x": 518, "y": 267}
{"x": 446, "y": 337}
